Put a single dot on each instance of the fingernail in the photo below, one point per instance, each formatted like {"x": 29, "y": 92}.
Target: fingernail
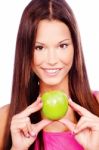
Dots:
{"x": 40, "y": 103}
{"x": 75, "y": 131}
{"x": 33, "y": 134}
{"x": 70, "y": 99}
{"x": 38, "y": 98}
{"x": 27, "y": 135}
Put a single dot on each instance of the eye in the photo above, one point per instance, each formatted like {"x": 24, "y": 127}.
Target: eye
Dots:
{"x": 39, "y": 48}
{"x": 63, "y": 46}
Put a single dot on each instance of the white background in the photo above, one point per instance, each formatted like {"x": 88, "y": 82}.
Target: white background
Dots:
{"x": 86, "y": 12}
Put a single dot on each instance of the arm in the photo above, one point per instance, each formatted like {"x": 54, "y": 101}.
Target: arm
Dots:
{"x": 3, "y": 118}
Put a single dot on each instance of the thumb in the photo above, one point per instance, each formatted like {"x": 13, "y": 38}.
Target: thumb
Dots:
{"x": 39, "y": 126}
{"x": 43, "y": 123}
{"x": 71, "y": 126}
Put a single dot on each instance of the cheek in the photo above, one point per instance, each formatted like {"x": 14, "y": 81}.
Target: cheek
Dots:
{"x": 67, "y": 58}
{"x": 37, "y": 60}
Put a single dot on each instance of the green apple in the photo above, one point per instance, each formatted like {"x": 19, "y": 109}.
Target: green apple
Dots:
{"x": 55, "y": 104}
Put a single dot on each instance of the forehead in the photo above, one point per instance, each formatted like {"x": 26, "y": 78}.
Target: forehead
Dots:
{"x": 52, "y": 30}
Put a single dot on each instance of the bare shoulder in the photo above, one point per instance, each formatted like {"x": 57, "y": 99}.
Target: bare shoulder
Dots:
{"x": 96, "y": 93}
{"x": 4, "y": 109}
{"x": 3, "y": 118}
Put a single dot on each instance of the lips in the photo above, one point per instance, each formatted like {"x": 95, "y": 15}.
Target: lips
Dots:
{"x": 52, "y": 71}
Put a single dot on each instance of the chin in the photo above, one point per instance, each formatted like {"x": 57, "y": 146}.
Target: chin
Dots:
{"x": 52, "y": 83}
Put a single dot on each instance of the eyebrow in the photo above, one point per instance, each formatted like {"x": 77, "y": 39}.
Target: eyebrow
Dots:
{"x": 64, "y": 40}
{"x": 58, "y": 42}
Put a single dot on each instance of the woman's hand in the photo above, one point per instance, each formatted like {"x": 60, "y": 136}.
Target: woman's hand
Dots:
{"x": 86, "y": 131}
{"x": 22, "y": 131}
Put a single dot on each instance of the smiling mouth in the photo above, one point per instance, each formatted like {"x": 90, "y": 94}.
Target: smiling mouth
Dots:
{"x": 51, "y": 71}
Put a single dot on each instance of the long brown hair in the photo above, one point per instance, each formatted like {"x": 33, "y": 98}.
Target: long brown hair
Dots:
{"x": 25, "y": 87}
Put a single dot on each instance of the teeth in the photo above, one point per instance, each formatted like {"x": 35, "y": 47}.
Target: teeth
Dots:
{"x": 52, "y": 71}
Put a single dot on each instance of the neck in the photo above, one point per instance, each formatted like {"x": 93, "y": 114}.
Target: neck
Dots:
{"x": 63, "y": 86}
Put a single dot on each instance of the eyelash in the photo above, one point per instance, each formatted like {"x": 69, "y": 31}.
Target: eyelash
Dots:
{"x": 41, "y": 47}
{"x": 62, "y": 45}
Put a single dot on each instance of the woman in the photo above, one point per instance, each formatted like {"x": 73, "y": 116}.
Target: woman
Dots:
{"x": 49, "y": 57}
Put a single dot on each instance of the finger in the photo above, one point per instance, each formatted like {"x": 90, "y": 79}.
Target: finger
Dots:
{"x": 84, "y": 126}
{"x": 20, "y": 120}
{"x": 87, "y": 123}
{"x": 39, "y": 126}
{"x": 82, "y": 120}
{"x": 68, "y": 123}
{"x": 43, "y": 123}
{"x": 79, "y": 109}
{"x": 25, "y": 131}
{"x": 21, "y": 126}
{"x": 37, "y": 105}
{"x": 28, "y": 125}
{"x": 36, "y": 102}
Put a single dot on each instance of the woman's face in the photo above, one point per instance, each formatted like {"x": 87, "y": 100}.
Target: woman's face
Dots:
{"x": 53, "y": 53}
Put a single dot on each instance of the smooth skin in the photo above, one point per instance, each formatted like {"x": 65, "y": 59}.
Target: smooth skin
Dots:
{"x": 86, "y": 130}
{"x": 23, "y": 131}
{"x": 53, "y": 57}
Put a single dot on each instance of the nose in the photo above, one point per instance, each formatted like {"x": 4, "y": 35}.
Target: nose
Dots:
{"x": 52, "y": 58}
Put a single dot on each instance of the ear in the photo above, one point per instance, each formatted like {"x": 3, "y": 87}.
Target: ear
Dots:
{"x": 96, "y": 93}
